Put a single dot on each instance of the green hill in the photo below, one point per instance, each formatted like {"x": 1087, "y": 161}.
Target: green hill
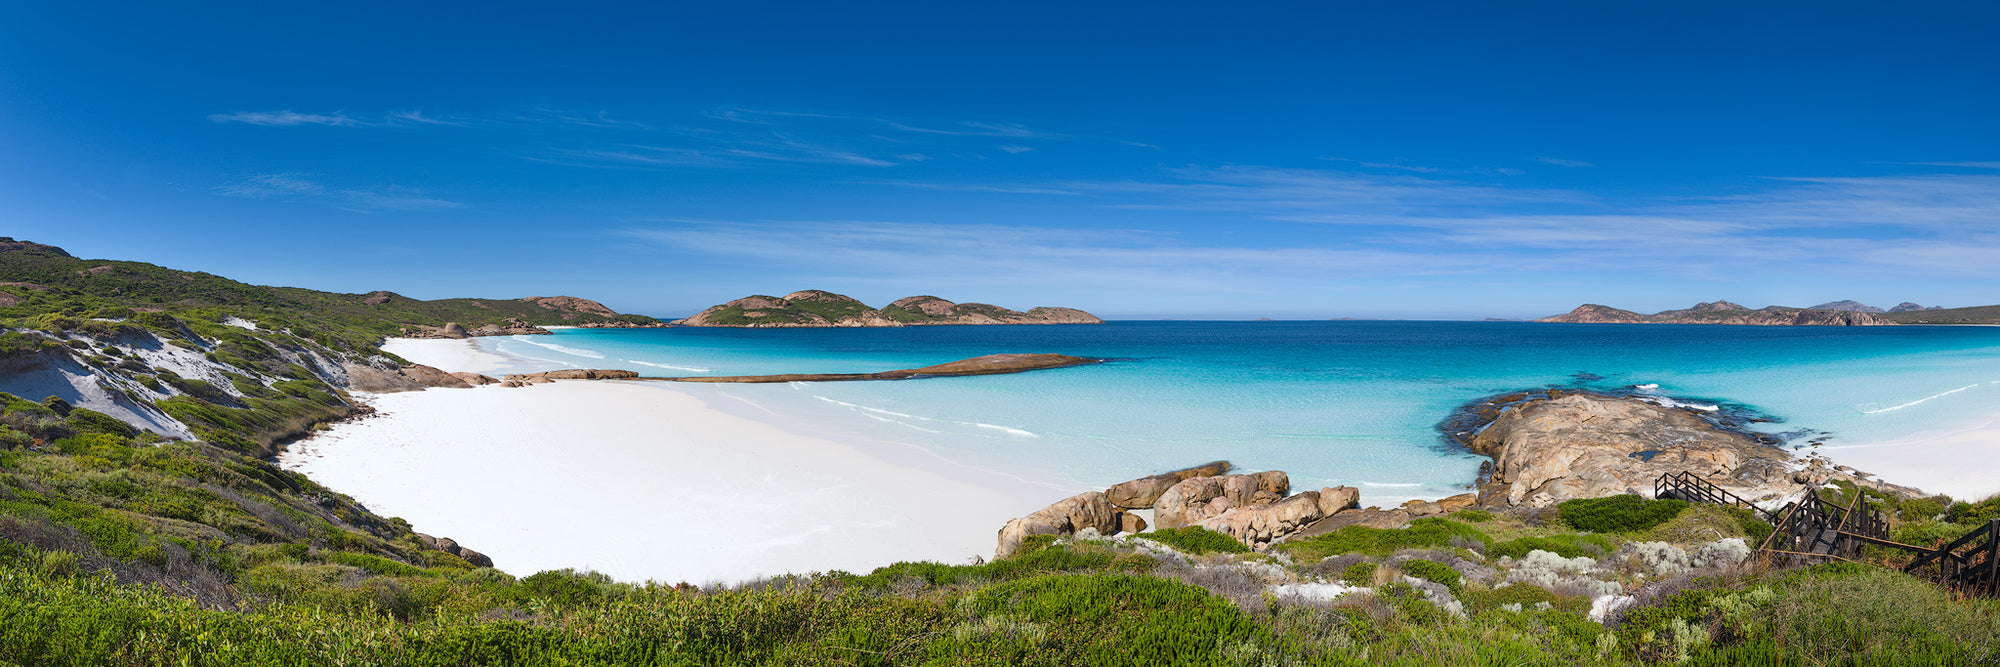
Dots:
{"x": 42, "y": 280}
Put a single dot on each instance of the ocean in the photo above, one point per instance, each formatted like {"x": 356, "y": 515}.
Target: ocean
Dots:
{"x": 1354, "y": 403}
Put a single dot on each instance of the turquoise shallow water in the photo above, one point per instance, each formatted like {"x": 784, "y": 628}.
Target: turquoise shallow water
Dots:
{"x": 1353, "y": 403}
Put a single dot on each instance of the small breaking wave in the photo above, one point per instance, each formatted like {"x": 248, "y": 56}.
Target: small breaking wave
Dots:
{"x": 1007, "y": 430}
{"x": 1665, "y": 402}
{"x": 1398, "y": 485}
{"x": 689, "y": 369}
{"x": 1918, "y": 401}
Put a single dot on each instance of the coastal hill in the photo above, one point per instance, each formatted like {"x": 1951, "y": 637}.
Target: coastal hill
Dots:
{"x": 1972, "y": 315}
{"x": 816, "y": 308}
{"x": 114, "y": 289}
{"x": 1722, "y": 312}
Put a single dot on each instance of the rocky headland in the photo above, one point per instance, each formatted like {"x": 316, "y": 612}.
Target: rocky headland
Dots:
{"x": 816, "y": 308}
{"x": 1724, "y": 312}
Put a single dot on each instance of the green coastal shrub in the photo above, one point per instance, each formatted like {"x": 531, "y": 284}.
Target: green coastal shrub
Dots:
{"x": 1359, "y": 574}
{"x": 1565, "y": 545}
{"x": 1979, "y": 512}
{"x": 1197, "y": 540}
{"x": 1422, "y": 533}
{"x": 1618, "y": 514}
{"x": 1475, "y": 516}
{"x": 91, "y": 421}
{"x": 1435, "y": 572}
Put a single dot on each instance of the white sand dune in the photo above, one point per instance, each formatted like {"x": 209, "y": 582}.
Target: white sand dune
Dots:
{"x": 643, "y": 481}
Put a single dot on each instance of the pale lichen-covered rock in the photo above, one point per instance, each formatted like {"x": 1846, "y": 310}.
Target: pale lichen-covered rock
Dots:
{"x": 475, "y": 379}
{"x": 1576, "y": 445}
{"x": 1257, "y": 525}
{"x": 1337, "y": 499}
{"x": 1141, "y": 493}
{"x": 1131, "y": 523}
{"x": 1192, "y": 499}
{"x": 1089, "y": 509}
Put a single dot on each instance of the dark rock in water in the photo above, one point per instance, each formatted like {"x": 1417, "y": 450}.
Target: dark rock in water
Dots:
{"x": 992, "y": 364}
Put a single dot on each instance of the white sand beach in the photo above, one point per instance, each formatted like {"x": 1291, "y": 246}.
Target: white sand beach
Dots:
{"x": 642, "y": 481}
{"x": 1963, "y": 463}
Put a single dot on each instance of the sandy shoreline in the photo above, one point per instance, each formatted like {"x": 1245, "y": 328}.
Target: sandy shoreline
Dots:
{"x": 641, "y": 481}
{"x": 1963, "y": 463}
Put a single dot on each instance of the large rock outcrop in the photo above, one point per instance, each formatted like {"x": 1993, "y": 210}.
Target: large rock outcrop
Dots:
{"x": 544, "y": 377}
{"x": 817, "y": 308}
{"x": 1197, "y": 498}
{"x": 1089, "y": 509}
{"x": 1259, "y": 525}
{"x": 1141, "y": 493}
{"x": 1579, "y": 445}
{"x": 383, "y": 377}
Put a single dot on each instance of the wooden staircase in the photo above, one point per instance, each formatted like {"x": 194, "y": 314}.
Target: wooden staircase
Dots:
{"x": 1813, "y": 530}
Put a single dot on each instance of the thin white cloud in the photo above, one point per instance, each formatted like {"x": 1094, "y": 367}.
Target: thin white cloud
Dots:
{"x": 417, "y": 117}
{"x": 295, "y": 188}
{"x": 1017, "y": 149}
{"x": 1560, "y": 162}
{"x": 289, "y": 118}
{"x": 286, "y": 118}
{"x": 1964, "y": 165}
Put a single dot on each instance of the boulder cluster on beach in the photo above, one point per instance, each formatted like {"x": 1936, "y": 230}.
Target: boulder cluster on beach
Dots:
{"x": 1547, "y": 447}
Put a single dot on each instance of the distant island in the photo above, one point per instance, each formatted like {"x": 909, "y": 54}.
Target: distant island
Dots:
{"x": 1838, "y": 313}
{"x": 816, "y": 308}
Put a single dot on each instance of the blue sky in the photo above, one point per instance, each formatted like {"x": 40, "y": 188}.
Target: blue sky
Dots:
{"x": 1297, "y": 160}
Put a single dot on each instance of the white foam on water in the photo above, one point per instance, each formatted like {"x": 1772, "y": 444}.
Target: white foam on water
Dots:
{"x": 1007, "y": 430}
{"x": 565, "y": 349}
{"x": 690, "y": 369}
{"x": 1919, "y": 401}
{"x": 872, "y": 413}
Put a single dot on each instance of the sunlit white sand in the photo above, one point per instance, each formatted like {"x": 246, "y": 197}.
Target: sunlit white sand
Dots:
{"x": 643, "y": 481}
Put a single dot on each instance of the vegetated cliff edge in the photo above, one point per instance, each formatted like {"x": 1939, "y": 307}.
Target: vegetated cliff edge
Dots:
{"x": 816, "y": 308}
{"x": 1721, "y": 312}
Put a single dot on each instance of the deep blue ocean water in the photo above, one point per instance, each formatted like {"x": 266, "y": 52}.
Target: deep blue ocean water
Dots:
{"x": 1345, "y": 402}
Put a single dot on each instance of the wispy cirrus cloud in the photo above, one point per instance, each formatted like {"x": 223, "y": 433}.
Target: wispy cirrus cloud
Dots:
{"x": 935, "y": 254}
{"x": 297, "y": 188}
{"x": 289, "y": 118}
{"x": 1560, "y": 162}
{"x": 1933, "y": 224}
{"x": 286, "y": 118}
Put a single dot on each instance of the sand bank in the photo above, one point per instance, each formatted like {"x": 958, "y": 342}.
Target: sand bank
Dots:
{"x": 1962, "y": 462}
{"x": 643, "y": 481}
